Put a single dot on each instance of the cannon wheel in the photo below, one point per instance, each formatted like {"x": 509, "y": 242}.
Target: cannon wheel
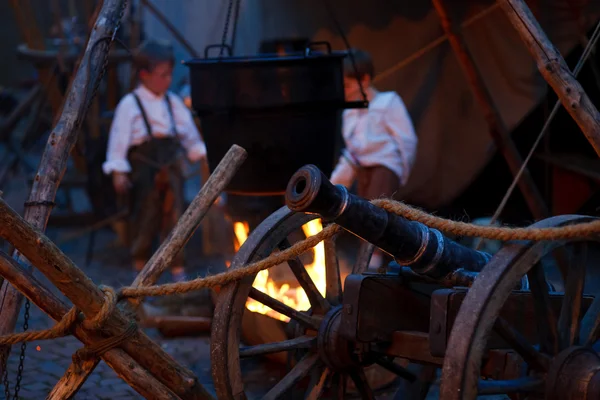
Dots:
{"x": 323, "y": 358}
{"x": 562, "y": 364}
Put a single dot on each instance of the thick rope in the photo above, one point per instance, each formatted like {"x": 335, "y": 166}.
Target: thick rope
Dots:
{"x": 112, "y": 297}
{"x": 62, "y": 328}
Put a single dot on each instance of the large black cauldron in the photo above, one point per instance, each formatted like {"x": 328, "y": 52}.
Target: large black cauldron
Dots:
{"x": 285, "y": 110}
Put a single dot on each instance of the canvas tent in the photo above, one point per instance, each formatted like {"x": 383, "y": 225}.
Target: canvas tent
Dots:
{"x": 413, "y": 58}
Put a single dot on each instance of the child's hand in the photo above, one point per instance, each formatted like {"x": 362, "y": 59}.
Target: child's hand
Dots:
{"x": 121, "y": 182}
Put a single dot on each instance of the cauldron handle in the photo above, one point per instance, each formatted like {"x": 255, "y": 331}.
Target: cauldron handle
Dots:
{"x": 309, "y": 46}
{"x": 217, "y": 46}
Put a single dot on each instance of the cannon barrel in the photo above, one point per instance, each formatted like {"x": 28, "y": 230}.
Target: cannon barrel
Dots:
{"x": 425, "y": 250}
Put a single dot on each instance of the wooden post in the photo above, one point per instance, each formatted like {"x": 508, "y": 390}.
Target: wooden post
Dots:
{"x": 497, "y": 129}
{"x": 88, "y": 298}
{"x": 62, "y": 139}
{"x": 555, "y": 71}
{"x": 137, "y": 377}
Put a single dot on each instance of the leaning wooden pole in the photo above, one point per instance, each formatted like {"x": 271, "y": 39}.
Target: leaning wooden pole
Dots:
{"x": 62, "y": 139}
{"x": 125, "y": 366}
{"x": 555, "y": 71}
{"x": 497, "y": 128}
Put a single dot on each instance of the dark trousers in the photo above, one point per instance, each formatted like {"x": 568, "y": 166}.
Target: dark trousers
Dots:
{"x": 376, "y": 182}
{"x": 156, "y": 199}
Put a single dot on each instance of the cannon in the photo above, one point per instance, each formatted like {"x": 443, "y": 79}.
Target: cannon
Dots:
{"x": 507, "y": 324}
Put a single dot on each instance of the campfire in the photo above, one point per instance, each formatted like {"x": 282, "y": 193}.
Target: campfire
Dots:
{"x": 295, "y": 296}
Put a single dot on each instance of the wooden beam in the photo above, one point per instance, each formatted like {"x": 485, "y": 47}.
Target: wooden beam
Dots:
{"x": 555, "y": 70}
{"x": 497, "y": 128}
{"x": 127, "y": 368}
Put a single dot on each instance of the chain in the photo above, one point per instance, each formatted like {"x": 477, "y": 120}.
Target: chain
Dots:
{"x": 5, "y": 375}
{"x": 226, "y": 28}
{"x": 22, "y": 356}
{"x": 21, "y": 360}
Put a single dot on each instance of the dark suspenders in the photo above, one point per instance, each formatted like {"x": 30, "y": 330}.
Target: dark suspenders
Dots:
{"x": 145, "y": 117}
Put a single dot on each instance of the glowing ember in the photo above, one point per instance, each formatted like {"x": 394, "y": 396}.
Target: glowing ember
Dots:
{"x": 294, "y": 297}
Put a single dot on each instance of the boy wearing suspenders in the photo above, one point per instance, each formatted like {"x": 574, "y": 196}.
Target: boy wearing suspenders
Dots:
{"x": 150, "y": 130}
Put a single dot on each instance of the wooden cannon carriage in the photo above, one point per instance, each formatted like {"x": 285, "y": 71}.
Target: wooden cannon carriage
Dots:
{"x": 510, "y": 333}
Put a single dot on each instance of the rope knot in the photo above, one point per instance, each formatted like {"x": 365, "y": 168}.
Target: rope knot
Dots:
{"x": 108, "y": 307}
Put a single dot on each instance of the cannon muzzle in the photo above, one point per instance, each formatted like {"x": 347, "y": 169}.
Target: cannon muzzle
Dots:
{"x": 425, "y": 250}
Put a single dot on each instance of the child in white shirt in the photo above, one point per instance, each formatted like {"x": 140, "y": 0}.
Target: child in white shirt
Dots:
{"x": 381, "y": 143}
{"x": 149, "y": 129}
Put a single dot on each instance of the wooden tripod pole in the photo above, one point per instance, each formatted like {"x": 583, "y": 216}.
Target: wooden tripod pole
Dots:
{"x": 60, "y": 143}
{"x": 497, "y": 128}
{"x": 555, "y": 71}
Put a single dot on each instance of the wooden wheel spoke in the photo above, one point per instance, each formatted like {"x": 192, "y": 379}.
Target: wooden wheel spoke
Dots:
{"x": 286, "y": 310}
{"x": 338, "y": 386}
{"x": 361, "y": 383}
{"x": 568, "y": 322}
{"x": 332, "y": 272}
{"x": 302, "y": 342}
{"x": 364, "y": 257}
{"x": 590, "y": 324}
{"x": 299, "y": 371}
{"x": 317, "y": 386}
{"x": 396, "y": 369}
{"x": 533, "y": 357}
{"x": 544, "y": 314}
{"x": 317, "y": 301}
{"x": 523, "y": 385}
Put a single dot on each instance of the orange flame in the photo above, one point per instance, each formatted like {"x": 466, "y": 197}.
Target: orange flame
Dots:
{"x": 294, "y": 297}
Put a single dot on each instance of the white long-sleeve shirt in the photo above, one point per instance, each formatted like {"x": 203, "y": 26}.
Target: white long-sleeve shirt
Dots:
{"x": 129, "y": 129}
{"x": 382, "y": 135}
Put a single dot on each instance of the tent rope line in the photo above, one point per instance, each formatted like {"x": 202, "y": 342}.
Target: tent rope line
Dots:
{"x": 112, "y": 297}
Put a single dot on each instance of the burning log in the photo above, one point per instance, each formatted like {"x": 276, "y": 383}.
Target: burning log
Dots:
{"x": 427, "y": 251}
